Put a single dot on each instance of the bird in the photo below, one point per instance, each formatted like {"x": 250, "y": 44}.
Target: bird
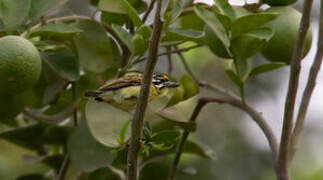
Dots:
{"x": 123, "y": 93}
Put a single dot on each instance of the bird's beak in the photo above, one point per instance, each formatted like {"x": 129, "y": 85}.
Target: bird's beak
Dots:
{"x": 171, "y": 84}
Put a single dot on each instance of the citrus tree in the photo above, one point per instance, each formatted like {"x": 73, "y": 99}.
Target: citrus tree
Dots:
{"x": 47, "y": 62}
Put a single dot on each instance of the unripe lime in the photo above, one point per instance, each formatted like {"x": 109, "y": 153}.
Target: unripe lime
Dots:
{"x": 279, "y": 2}
{"x": 286, "y": 26}
{"x": 20, "y": 65}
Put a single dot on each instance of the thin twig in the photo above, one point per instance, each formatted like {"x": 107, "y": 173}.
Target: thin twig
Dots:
{"x": 150, "y": 8}
{"x": 308, "y": 90}
{"x": 63, "y": 19}
{"x": 63, "y": 169}
{"x": 295, "y": 68}
{"x": 256, "y": 116}
{"x": 187, "y": 68}
{"x": 138, "y": 119}
{"x": 67, "y": 160}
{"x": 170, "y": 62}
{"x": 180, "y": 147}
{"x": 171, "y": 52}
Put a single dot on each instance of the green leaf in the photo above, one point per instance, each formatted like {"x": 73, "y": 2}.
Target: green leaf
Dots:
{"x": 234, "y": 77}
{"x": 116, "y": 6}
{"x": 64, "y": 63}
{"x": 244, "y": 67}
{"x": 103, "y": 174}
{"x": 114, "y": 18}
{"x": 145, "y": 31}
{"x": 35, "y": 136}
{"x": 225, "y": 8}
{"x": 225, "y": 21}
{"x": 96, "y": 51}
{"x": 251, "y": 22}
{"x": 106, "y": 122}
{"x": 14, "y": 12}
{"x": 124, "y": 130}
{"x": 187, "y": 89}
{"x": 266, "y": 68}
{"x": 124, "y": 36}
{"x": 170, "y": 122}
{"x": 165, "y": 137}
{"x": 190, "y": 86}
{"x": 139, "y": 45}
{"x": 183, "y": 35}
{"x": 191, "y": 21}
{"x": 39, "y": 8}
{"x": 57, "y": 29}
{"x": 177, "y": 96}
{"x": 247, "y": 45}
{"x": 132, "y": 13}
{"x": 212, "y": 21}
{"x": 202, "y": 151}
{"x": 85, "y": 152}
{"x": 215, "y": 44}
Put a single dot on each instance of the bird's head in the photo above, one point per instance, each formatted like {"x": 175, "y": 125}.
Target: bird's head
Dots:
{"x": 161, "y": 81}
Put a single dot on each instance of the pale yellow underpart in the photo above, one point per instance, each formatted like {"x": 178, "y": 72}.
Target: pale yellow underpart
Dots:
{"x": 126, "y": 98}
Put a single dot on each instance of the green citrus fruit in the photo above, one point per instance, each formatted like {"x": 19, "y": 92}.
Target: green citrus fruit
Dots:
{"x": 281, "y": 45}
{"x": 279, "y": 2}
{"x": 20, "y": 65}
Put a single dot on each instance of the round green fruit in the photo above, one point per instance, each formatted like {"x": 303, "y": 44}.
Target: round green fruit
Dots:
{"x": 279, "y": 2}
{"x": 281, "y": 46}
{"x": 20, "y": 65}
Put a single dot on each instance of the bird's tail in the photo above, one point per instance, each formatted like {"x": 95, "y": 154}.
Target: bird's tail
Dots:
{"x": 92, "y": 94}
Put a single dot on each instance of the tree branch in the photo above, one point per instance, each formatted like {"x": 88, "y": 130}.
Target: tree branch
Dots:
{"x": 138, "y": 119}
{"x": 150, "y": 8}
{"x": 256, "y": 116}
{"x": 295, "y": 68}
{"x": 311, "y": 81}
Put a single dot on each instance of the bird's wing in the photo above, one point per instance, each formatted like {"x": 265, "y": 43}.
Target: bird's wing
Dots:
{"x": 126, "y": 81}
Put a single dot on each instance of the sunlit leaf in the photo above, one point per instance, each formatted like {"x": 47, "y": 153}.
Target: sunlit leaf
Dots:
{"x": 106, "y": 122}
{"x": 183, "y": 35}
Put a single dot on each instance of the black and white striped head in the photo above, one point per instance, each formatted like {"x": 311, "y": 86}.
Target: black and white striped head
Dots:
{"x": 161, "y": 81}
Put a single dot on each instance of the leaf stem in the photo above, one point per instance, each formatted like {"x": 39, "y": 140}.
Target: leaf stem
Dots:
{"x": 311, "y": 81}
{"x": 138, "y": 119}
{"x": 65, "y": 18}
{"x": 283, "y": 158}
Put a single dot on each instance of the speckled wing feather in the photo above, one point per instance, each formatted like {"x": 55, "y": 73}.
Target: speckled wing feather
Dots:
{"x": 123, "y": 82}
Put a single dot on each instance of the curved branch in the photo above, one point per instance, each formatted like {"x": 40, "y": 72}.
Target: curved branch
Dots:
{"x": 256, "y": 116}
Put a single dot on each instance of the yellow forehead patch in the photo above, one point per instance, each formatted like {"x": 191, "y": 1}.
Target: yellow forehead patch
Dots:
{"x": 165, "y": 76}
